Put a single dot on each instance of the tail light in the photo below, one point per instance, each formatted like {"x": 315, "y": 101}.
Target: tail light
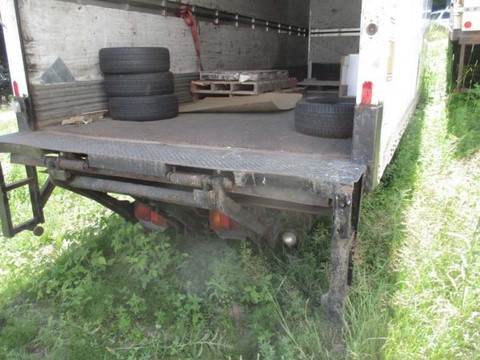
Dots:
{"x": 220, "y": 221}
{"x": 367, "y": 90}
{"x": 16, "y": 91}
{"x": 225, "y": 227}
{"x": 149, "y": 218}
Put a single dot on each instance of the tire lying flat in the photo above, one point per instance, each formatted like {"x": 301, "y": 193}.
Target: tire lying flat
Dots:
{"x": 134, "y": 60}
{"x": 139, "y": 84}
{"x": 143, "y": 108}
{"x": 324, "y": 117}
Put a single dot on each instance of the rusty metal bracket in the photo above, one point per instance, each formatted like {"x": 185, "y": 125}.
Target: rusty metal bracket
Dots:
{"x": 196, "y": 180}
{"x": 346, "y": 206}
{"x": 218, "y": 199}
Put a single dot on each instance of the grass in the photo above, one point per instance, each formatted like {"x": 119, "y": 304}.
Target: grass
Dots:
{"x": 418, "y": 289}
{"x": 463, "y": 114}
{"x": 94, "y": 287}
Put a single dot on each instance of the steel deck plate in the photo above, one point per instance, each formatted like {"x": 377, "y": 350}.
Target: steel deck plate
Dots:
{"x": 262, "y": 131}
{"x": 150, "y": 153}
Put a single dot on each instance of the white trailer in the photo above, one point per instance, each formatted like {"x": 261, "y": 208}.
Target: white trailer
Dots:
{"x": 464, "y": 36}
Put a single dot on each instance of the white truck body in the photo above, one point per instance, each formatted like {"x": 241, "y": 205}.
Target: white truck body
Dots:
{"x": 465, "y": 38}
{"x": 465, "y": 15}
{"x": 240, "y": 164}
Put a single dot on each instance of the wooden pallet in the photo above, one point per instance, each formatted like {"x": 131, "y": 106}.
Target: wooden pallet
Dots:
{"x": 239, "y": 88}
{"x": 248, "y": 75}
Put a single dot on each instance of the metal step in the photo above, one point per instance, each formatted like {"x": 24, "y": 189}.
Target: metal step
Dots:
{"x": 10, "y": 229}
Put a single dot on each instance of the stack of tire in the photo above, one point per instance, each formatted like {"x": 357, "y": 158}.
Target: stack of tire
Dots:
{"x": 138, "y": 83}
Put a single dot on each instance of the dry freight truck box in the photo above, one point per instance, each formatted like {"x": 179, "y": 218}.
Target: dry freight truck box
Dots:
{"x": 240, "y": 170}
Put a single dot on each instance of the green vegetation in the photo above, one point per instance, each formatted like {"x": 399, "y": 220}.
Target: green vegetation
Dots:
{"x": 94, "y": 287}
{"x": 463, "y": 124}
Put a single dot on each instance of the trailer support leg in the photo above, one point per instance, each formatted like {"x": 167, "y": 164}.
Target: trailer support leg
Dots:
{"x": 345, "y": 218}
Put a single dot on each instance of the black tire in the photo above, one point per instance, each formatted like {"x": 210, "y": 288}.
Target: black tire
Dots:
{"x": 143, "y": 108}
{"x": 139, "y": 84}
{"x": 324, "y": 117}
{"x": 134, "y": 60}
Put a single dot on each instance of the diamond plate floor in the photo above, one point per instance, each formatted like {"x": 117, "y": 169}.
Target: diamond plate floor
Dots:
{"x": 262, "y": 144}
{"x": 261, "y": 131}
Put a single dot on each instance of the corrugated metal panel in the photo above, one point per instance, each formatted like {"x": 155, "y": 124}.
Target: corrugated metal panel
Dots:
{"x": 60, "y": 101}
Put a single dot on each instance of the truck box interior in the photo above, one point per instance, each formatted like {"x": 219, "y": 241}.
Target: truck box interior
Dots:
{"x": 243, "y": 36}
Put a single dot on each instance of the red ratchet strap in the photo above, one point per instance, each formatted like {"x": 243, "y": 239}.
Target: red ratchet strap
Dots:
{"x": 186, "y": 14}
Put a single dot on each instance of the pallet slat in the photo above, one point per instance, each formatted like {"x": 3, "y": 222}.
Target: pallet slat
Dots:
{"x": 249, "y": 75}
{"x": 239, "y": 88}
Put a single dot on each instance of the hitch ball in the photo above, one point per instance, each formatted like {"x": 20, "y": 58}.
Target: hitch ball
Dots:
{"x": 38, "y": 230}
{"x": 289, "y": 238}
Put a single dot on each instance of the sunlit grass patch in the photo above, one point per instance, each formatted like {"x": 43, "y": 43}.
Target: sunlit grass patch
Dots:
{"x": 8, "y": 123}
{"x": 438, "y": 269}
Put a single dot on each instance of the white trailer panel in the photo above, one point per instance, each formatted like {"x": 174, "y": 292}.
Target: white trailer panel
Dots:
{"x": 13, "y": 44}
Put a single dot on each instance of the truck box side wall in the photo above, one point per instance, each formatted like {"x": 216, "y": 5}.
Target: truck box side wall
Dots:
{"x": 230, "y": 48}
{"x": 74, "y": 32}
{"x": 293, "y": 12}
{"x": 402, "y": 91}
{"x": 331, "y": 15}
{"x": 392, "y": 40}
{"x": 12, "y": 42}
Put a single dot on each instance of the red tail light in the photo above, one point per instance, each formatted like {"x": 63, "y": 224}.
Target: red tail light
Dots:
{"x": 467, "y": 25}
{"x": 220, "y": 221}
{"x": 16, "y": 91}
{"x": 149, "y": 218}
{"x": 367, "y": 90}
